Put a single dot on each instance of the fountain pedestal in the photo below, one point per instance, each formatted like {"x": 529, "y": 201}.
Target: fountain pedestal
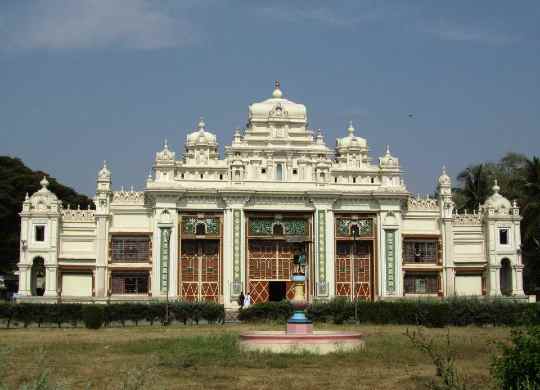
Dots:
{"x": 299, "y": 336}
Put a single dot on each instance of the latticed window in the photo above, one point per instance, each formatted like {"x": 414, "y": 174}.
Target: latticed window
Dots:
{"x": 130, "y": 249}
{"x": 427, "y": 283}
{"x": 130, "y": 283}
{"x": 420, "y": 251}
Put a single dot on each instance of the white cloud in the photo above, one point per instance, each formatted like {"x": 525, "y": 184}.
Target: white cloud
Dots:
{"x": 68, "y": 24}
{"x": 454, "y": 32}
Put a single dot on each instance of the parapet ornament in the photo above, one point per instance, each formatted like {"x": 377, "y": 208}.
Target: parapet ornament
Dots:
{"x": 128, "y": 197}
{"x": 467, "y": 219}
{"x": 422, "y": 203}
{"x": 78, "y": 215}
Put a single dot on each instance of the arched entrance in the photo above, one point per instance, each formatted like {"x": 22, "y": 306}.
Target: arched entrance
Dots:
{"x": 38, "y": 277}
{"x": 506, "y": 277}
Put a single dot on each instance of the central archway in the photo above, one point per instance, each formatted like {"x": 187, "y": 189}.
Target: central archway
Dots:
{"x": 38, "y": 277}
{"x": 506, "y": 277}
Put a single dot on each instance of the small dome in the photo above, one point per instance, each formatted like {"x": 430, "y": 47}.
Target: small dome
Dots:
{"x": 444, "y": 179}
{"x": 497, "y": 201}
{"x": 201, "y": 136}
{"x": 165, "y": 154}
{"x": 43, "y": 195}
{"x": 104, "y": 173}
{"x": 388, "y": 161}
{"x": 351, "y": 141}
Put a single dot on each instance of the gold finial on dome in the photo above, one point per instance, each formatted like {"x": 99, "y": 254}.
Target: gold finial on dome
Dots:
{"x": 350, "y": 129}
{"x": 277, "y": 91}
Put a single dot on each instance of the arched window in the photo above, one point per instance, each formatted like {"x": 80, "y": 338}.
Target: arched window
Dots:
{"x": 38, "y": 276}
{"x": 277, "y": 230}
{"x": 200, "y": 229}
{"x": 355, "y": 230}
{"x": 506, "y": 277}
{"x": 279, "y": 172}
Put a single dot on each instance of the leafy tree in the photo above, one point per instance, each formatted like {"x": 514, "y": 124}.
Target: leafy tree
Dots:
{"x": 474, "y": 186}
{"x": 16, "y": 180}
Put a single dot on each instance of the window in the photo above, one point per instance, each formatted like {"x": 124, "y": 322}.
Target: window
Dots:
{"x": 277, "y": 229}
{"x": 279, "y": 172}
{"x": 130, "y": 283}
{"x": 182, "y": 176}
{"x": 503, "y": 236}
{"x": 263, "y": 171}
{"x": 354, "y": 179}
{"x": 372, "y": 180}
{"x": 40, "y": 233}
{"x": 335, "y": 179}
{"x": 130, "y": 249}
{"x": 200, "y": 229}
{"x": 221, "y": 176}
{"x": 420, "y": 251}
{"x": 295, "y": 171}
{"x": 202, "y": 176}
{"x": 427, "y": 283}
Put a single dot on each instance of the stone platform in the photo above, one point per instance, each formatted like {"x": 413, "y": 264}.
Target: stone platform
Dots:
{"x": 319, "y": 342}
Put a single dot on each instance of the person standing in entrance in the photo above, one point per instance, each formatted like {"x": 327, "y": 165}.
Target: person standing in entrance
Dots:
{"x": 247, "y": 300}
{"x": 241, "y": 298}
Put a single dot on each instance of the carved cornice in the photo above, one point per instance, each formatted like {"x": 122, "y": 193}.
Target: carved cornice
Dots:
{"x": 128, "y": 197}
{"x": 69, "y": 215}
{"x": 422, "y": 203}
{"x": 467, "y": 219}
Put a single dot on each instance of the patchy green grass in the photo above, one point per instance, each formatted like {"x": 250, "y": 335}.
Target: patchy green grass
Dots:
{"x": 194, "y": 357}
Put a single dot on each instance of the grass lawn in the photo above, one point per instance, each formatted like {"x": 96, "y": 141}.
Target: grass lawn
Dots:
{"x": 195, "y": 357}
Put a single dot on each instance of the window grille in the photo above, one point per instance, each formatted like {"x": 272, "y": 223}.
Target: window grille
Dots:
{"x": 416, "y": 251}
{"x": 421, "y": 283}
{"x": 130, "y": 249}
{"x": 130, "y": 283}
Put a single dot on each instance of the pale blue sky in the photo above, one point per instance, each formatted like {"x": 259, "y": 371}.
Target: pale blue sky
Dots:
{"x": 88, "y": 80}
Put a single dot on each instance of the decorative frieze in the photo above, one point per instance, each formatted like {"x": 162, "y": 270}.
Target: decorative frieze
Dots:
{"x": 390, "y": 249}
{"x": 164, "y": 254}
{"x": 265, "y": 227}
{"x": 237, "y": 251}
{"x": 321, "y": 240}
{"x": 128, "y": 197}
{"x": 346, "y": 226}
{"x": 419, "y": 203}
{"x": 189, "y": 225}
{"x": 78, "y": 215}
{"x": 467, "y": 219}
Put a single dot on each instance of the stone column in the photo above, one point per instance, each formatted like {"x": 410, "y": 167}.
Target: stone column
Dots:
{"x": 494, "y": 278}
{"x": 517, "y": 280}
{"x": 102, "y": 255}
{"x": 51, "y": 278}
{"x": 25, "y": 279}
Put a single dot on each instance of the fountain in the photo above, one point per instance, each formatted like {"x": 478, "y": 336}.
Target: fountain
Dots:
{"x": 299, "y": 335}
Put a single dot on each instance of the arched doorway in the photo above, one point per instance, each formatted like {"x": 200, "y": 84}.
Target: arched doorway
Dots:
{"x": 38, "y": 276}
{"x": 506, "y": 277}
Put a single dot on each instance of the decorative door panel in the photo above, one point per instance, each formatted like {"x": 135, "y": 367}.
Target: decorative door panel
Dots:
{"x": 258, "y": 289}
{"x": 201, "y": 268}
{"x": 353, "y": 266}
{"x": 285, "y": 266}
{"x": 262, "y": 259}
{"x": 290, "y": 290}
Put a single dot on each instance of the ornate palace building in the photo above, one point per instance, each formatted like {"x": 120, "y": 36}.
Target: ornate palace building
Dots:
{"x": 208, "y": 228}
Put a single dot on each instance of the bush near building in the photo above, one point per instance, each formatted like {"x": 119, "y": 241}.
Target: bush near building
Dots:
{"x": 72, "y": 314}
{"x": 432, "y": 313}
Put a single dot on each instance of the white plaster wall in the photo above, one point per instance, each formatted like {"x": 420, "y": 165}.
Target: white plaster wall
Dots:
{"x": 77, "y": 284}
{"x": 468, "y": 285}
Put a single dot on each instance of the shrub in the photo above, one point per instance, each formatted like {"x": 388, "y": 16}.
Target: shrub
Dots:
{"x": 518, "y": 365}
{"x": 269, "y": 311}
{"x": 93, "y": 316}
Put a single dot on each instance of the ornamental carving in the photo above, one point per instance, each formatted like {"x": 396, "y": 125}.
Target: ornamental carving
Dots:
{"x": 128, "y": 197}
{"x": 467, "y": 219}
{"x": 422, "y": 204}
{"x": 69, "y": 215}
{"x": 193, "y": 225}
{"x": 346, "y": 226}
{"x": 268, "y": 227}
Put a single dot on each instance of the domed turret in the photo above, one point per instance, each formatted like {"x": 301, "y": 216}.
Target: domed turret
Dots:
{"x": 351, "y": 141}
{"x": 444, "y": 179}
{"x": 201, "y": 136}
{"x": 104, "y": 173}
{"x": 165, "y": 154}
{"x": 497, "y": 202}
{"x": 388, "y": 161}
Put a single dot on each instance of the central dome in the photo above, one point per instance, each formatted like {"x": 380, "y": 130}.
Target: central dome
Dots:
{"x": 277, "y": 109}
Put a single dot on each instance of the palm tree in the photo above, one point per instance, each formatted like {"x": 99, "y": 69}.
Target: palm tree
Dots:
{"x": 475, "y": 186}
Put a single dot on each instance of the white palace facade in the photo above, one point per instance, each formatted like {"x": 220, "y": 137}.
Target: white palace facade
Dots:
{"x": 208, "y": 228}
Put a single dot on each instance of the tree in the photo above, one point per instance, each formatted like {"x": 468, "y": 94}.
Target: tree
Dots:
{"x": 16, "y": 180}
{"x": 530, "y": 226}
{"x": 474, "y": 187}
